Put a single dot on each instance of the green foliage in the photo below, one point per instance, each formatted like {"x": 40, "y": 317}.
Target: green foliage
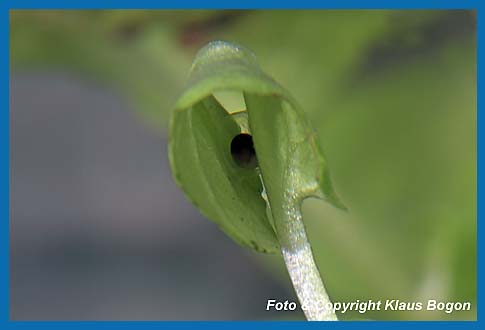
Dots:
{"x": 291, "y": 165}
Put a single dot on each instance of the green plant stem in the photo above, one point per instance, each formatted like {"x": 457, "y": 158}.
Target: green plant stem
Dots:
{"x": 301, "y": 266}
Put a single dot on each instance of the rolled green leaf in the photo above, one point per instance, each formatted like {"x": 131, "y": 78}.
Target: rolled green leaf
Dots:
{"x": 255, "y": 199}
{"x": 203, "y": 167}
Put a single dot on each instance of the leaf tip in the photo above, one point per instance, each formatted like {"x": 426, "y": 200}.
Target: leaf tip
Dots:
{"x": 329, "y": 193}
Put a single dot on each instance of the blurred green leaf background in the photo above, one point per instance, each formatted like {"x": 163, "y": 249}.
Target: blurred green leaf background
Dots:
{"x": 391, "y": 94}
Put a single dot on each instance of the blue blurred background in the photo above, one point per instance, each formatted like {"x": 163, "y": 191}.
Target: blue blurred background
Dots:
{"x": 99, "y": 231}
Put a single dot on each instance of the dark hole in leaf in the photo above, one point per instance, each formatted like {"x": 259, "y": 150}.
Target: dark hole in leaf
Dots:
{"x": 242, "y": 151}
